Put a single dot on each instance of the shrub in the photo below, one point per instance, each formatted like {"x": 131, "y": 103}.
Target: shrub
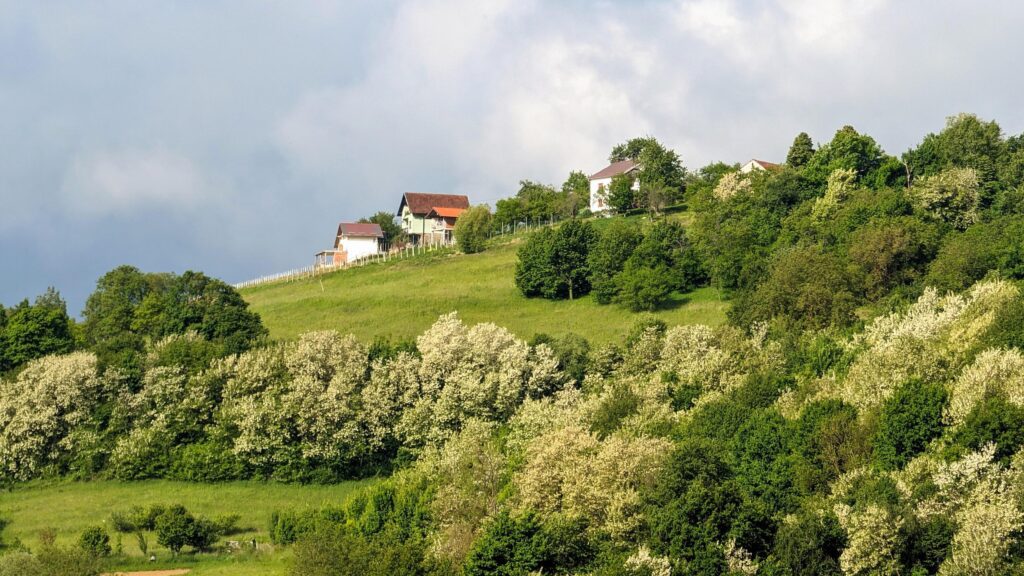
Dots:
{"x": 472, "y": 228}
{"x": 994, "y": 420}
{"x": 95, "y": 541}
{"x": 643, "y": 289}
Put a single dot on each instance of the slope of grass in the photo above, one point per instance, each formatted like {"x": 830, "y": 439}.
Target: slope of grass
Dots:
{"x": 401, "y": 299}
{"x": 70, "y": 507}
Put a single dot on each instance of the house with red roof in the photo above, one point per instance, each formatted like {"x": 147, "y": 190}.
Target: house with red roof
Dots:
{"x": 760, "y": 166}
{"x": 601, "y": 182}
{"x": 354, "y": 241}
{"x": 430, "y": 218}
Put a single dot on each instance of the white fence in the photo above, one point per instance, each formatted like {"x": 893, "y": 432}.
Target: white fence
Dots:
{"x": 385, "y": 255}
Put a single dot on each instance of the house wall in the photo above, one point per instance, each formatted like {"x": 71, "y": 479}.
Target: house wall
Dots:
{"x": 599, "y": 193}
{"x": 431, "y": 229}
{"x": 357, "y": 247}
{"x": 750, "y": 167}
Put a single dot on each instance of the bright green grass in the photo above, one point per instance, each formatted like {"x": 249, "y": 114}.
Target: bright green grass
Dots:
{"x": 401, "y": 299}
{"x": 70, "y": 507}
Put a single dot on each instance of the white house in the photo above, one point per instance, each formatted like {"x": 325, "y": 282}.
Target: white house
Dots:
{"x": 354, "y": 240}
{"x": 600, "y": 183}
{"x": 759, "y": 165}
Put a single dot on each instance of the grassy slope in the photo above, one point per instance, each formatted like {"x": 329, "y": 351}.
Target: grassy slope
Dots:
{"x": 401, "y": 299}
{"x": 71, "y": 507}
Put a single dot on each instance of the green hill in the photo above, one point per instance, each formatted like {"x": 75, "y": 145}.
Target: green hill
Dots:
{"x": 400, "y": 299}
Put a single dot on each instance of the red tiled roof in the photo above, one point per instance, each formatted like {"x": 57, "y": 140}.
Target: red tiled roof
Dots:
{"x": 614, "y": 169}
{"x": 768, "y": 165}
{"x": 361, "y": 229}
{"x": 421, "y": 204}
{"x": 446, "y": 212}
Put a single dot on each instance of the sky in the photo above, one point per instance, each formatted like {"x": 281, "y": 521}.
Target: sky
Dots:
{"x": 232, "y": 136}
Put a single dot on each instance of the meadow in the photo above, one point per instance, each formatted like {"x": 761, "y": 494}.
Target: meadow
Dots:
{"x": 402, "y": 298}
{"x": 68, "y": 508}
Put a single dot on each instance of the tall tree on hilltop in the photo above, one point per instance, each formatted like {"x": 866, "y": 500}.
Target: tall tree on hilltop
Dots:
{"x": 657, "y": 163}
{"x": 801, "y": 151}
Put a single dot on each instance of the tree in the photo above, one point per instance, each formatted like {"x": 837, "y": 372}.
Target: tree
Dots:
{"x": 608, "y": 257}
{"x": 657, "y": 163}
{"x": 553, "y": 262}
{"x": 472, "y": 228}
{"x": 801, "y": 151}
{"x": 965, "y": 142}
{"x": 576, "y": 192}
{"x": 393, "y": 233}
{"x": 643, "y": 288}
{"x": 952, "y": 196}
{"x": 621, "y": 196}
{"x": 569, "y": 259}
{"x": 33, "y": 331}
{"x": 805, "y": 285}
{"x": 910, "y": 419}
{"x": 174, "y": 528}
{"x": 848, "y": 150}
{"x": 110, "y": 309}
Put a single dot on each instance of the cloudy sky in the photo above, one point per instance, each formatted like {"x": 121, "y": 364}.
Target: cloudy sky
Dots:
{"x": 232, "y": 136}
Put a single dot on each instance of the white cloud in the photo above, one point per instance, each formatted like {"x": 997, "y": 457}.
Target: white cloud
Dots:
{"x": 120, "y": 182}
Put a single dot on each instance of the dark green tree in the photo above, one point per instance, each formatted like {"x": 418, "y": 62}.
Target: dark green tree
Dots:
{"x": 910, "y": 419}
{"x": 570, "y": 252}
{"x": 34, "y": 331}
{"x": 657, "y": 163}
{"x": 393, "y": 233}
{"x": 621, "y": 196}
{"x": 609, "y": 255}
{"x": 848, "y": 150}
{"x": 801, "y": 151}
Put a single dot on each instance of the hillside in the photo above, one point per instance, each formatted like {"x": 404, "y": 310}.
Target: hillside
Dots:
{"x": 399, "y": 300}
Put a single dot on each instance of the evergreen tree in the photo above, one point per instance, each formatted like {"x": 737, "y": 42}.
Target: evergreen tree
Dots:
{"x": 801, "y": 151}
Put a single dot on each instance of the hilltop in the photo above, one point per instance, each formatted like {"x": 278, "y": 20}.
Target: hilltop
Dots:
{"x": 400, "y": 299}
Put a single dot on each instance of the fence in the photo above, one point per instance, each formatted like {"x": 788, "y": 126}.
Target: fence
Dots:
{"x": 387, "y": 254}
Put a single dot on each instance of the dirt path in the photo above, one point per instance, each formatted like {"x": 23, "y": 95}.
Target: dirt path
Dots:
{"x": 177, "y": 572}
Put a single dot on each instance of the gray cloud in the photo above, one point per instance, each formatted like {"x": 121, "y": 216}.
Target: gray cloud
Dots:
{"x": 231, "y": 137}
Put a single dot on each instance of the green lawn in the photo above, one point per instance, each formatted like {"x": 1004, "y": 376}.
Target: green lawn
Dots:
{"x": 400, "y": 299}
{"x": 70, "y": 507}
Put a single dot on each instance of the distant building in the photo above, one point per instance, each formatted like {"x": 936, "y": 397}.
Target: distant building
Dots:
{"x": 354, "y": 240}
{"x": 760, "y": 166}
{"x": 430, "y": 218}
{"x": 601, "y": 182}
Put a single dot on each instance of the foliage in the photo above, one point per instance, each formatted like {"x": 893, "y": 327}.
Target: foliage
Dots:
{"x": 801, "y": 151}
{"x": 472, "y": 229}
{"x": 95, "y": 541}
{"x": 608, "y": 257}
{"x": 393, "y": 233}
{"x": 553, "y": 262}
{"x": 951, "y": 196}
{"x": 909, "y": 420}
{"x": 28, "y": 332}
{"x": 621, "y": 195}
{"x": 657, "y": 163}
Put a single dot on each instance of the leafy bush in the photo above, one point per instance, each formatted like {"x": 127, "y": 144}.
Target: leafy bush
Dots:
{"x": 95, "y": 541}
{"x": 472, "y": 229}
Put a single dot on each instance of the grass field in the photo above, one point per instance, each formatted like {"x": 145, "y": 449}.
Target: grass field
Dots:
{"x": 70, "y": 507}
{"x": 400, "y": 299}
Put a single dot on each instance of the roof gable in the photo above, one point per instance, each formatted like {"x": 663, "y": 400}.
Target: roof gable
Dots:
{"x": 361, "y": 229}
{"x": 614, "y": 169}
{"x": 421, "y": 204}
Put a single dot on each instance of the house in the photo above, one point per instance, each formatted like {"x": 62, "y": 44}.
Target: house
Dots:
{"x": 601, "y": 182}
{"x": 430, "y": 218}
{"x": 760, "y": 166}
{"x": 354, "y": 241}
